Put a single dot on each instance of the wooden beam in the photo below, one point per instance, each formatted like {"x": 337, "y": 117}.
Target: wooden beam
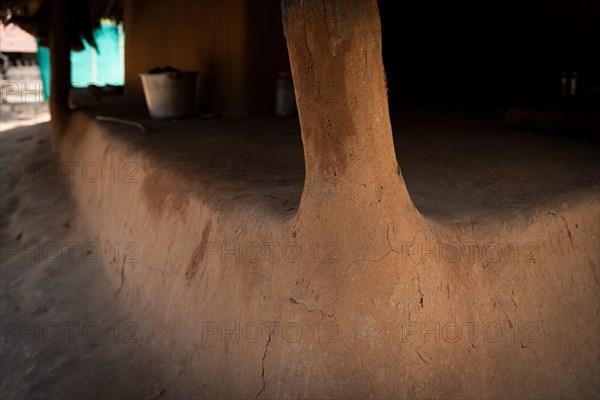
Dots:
{"x": 60, "y": 65}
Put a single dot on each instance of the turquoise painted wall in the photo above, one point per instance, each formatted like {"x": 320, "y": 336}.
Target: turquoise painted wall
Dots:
{"x": 105, "y": 66}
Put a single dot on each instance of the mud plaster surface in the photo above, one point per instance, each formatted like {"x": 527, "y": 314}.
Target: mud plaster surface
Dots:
{"x": 48, "y": 294}
{"x": 368, "y": 300}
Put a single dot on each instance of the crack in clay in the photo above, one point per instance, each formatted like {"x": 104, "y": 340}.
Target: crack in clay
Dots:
{"x": 392, "y": 250}
{"x": 122, "y": 280}
{"x": 294, "y": 301}
{"x": 569, "y": 231}
{"x": 238, "y": 230}
{"x": 390, "y": 243}
{"x": 419, "y": 289}
{"x": 262, "y": 374}
{"x": 387, "y": 235}
{"x": 307, "y": 286}
{"x": 421, "y": 357}
{"x": 339, "y": 288}
{"x": 299, "y": 302}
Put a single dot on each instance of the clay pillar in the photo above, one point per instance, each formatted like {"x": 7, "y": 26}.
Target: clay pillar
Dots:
{"x": 335, "y": 55}
{"x": 60, "y": 65}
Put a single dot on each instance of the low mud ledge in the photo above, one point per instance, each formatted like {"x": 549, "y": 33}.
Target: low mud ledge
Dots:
{"x": 254, "y": 301}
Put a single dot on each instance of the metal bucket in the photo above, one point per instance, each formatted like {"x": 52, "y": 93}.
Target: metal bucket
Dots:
{"x": 170, "y": 94}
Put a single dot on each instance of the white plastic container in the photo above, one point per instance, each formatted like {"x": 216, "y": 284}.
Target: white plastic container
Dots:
{"x": 170, "y": 94}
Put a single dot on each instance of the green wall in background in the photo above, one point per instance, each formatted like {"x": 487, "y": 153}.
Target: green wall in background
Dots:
{"x": 105, "y": 66}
